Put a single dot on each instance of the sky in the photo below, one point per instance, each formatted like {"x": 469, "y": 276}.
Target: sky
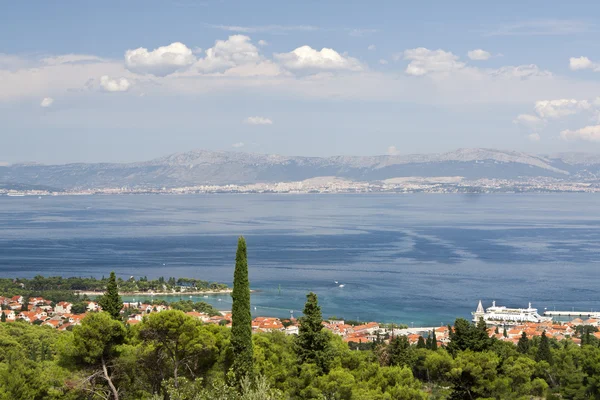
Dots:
{"x": 122, "y": 81}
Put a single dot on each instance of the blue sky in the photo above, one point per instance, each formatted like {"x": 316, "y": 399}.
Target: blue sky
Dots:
{"x": 132, "y": 80}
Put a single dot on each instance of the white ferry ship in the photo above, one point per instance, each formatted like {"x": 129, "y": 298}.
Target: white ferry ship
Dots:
{"x": 500, "y": 315}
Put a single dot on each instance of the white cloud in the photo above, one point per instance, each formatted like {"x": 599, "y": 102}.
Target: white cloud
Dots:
{"x": 560, "y": 108}
{"x": 393, "y": 151}
{"x": 114, "y": 84}
{"x": 47, "y": 102}
{"x": 236, "y": 50}
{"x": 479, "y": 55}
{"x": 424, "y": 61}
{"x": 258, "y": 121}
{"x": 372, "y": 47}
{"x": 263, "y": 43}
{"x": 306, "y": 57}
{"x": 579, "y": 63}
{"x": 383, "y": 61}
{"x": 238, "y": 145}
{"x": 534, "y": 137}
{"x": 528, "y": 120}
{"x": 521, "y": 72}
{"x": 589, "y": 134}
{"x": 161, "y": 61}
{"x": 70, "y": 59}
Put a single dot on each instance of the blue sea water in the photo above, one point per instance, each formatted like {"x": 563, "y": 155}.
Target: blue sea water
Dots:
{"x": 418, "y": 258}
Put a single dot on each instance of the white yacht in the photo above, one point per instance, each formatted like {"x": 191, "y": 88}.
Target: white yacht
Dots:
{"x": 501, "y": 315}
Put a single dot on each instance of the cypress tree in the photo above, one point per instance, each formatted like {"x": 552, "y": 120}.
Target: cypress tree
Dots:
{"x": 543, "y": 351}
{"x": 110, "y": 301}
{"x": 312, "y": 343}
{"x": 421, "y": 343}
{"x": 505, "y": 332}
{"x": 241, "y": 317}
{"x": 433, "y": 341}
{"x": 3, "y": 317}
{"x": 496, "y": 331}
{"x": 523, "y": 344}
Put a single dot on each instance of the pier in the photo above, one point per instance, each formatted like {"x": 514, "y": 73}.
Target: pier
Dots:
{"x": 573, "y": 313}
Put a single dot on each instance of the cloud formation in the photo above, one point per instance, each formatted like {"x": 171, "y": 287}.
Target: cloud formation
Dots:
{"x": 528, "y": 120}
{"x": 424, "y": 61}
{"x": 46, "y": 102}
{"x": 109, "y": 84}
{"x": 393, "y": 151}
{"x": 559, "y": 108}
{"x": 161, "y": 61}
{"x": 588, "y": 134}
{"x": 238, "y": 145}
{"x": 534, "y": 137}
{"x": 258, "y": 121}
{"x": 479, "y": 55}
{"x": 236, "y": 50}
{"x": 581, "y": 63}
{"x": 306, "y": 57}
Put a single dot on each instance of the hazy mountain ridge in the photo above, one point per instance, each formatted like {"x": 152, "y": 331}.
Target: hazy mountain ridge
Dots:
{"x": 220, "y": 167}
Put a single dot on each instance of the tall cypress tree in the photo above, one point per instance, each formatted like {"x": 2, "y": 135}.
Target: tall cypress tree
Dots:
{"x": 312, "y": 343}
{"x": 241, "y": 317}
{"x": 433, "y": 341}
{"x": 110, "y": 301}
{"x": 3, "y": 317}
{"x": 543, "y": 351}
{"x": 505, "y": 332}
{"x": 523, "y": 344}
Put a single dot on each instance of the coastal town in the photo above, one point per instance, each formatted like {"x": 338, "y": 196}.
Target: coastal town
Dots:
{"x": 330, "y": 184}
{"x": 504, "y": 324}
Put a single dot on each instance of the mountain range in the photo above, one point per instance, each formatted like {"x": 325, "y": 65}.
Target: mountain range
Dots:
{"x": 201, "y": 167}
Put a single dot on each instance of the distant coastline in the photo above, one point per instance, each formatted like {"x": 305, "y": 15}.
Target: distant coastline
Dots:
{"x": 195, "y": 292}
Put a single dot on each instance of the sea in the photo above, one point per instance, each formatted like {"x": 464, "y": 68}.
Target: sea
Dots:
{"x": 417, "y": 259}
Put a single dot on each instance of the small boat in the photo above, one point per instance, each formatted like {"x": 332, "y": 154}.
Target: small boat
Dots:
{"x": 205, "y": 296}
{"x": 336, "y": 282}
{"x": 218, "y": 299}
{"x": 342, "y": 285}
{"x": 190, "y": 297}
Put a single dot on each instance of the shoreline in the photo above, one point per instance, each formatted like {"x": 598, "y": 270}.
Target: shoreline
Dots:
{"x": 209, "y": 292}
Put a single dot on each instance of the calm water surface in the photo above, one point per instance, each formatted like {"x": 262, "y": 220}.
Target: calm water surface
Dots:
{"x": 403, "y": 258}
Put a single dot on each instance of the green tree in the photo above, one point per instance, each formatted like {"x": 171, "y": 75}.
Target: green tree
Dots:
{"x": 466, "y": 336}
{"x": 3, "y": 317}
{"x": 543, "y": 351}
{"x": 110, "y": 301}
{"x": 400, "y": 352}
{"x": 241, "y": 317}
{"x": 178, "y": 338}
{"x": 505, "y": 332}
{"x": 95, "y": 344}
{"x": 421, "y": 343}
{"x": 312, "y": 343}
{"x": 433, "y": 345}
{"x": 523, "y": 344}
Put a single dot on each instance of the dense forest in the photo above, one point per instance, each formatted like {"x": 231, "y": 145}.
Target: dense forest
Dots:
{"x": 172, "y": 356}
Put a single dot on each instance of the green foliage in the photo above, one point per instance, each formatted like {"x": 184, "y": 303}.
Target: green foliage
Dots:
{"x": 110, "y": 301}
{"x": 241, "y": 317}
{"x": 466, "y": 336}
{"x": 189, "y": 305}
{"x": 543, "y": 351}
{"x": 523, "y": 344}
{"x": 313, "y": 344}
{"x": 180, "y": 341}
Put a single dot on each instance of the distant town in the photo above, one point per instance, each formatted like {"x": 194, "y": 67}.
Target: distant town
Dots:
{"x": 455, "y": 184}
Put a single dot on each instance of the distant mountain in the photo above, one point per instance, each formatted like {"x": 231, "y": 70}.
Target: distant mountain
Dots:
{"x": 220, "y": 167}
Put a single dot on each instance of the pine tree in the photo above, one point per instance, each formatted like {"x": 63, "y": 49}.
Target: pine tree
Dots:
{"x": 523, "y": 344}
{"x": 421, "y": 343}
{"x": 241, "y": 318}
{"x": 3, "y": 317}
{"x": 543, "y": 351}
{"x": 312, "y": 343}
{"x": 481, "y": 325}
{"x": 110, "y": 301}
{"x": 433, "y": 341}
